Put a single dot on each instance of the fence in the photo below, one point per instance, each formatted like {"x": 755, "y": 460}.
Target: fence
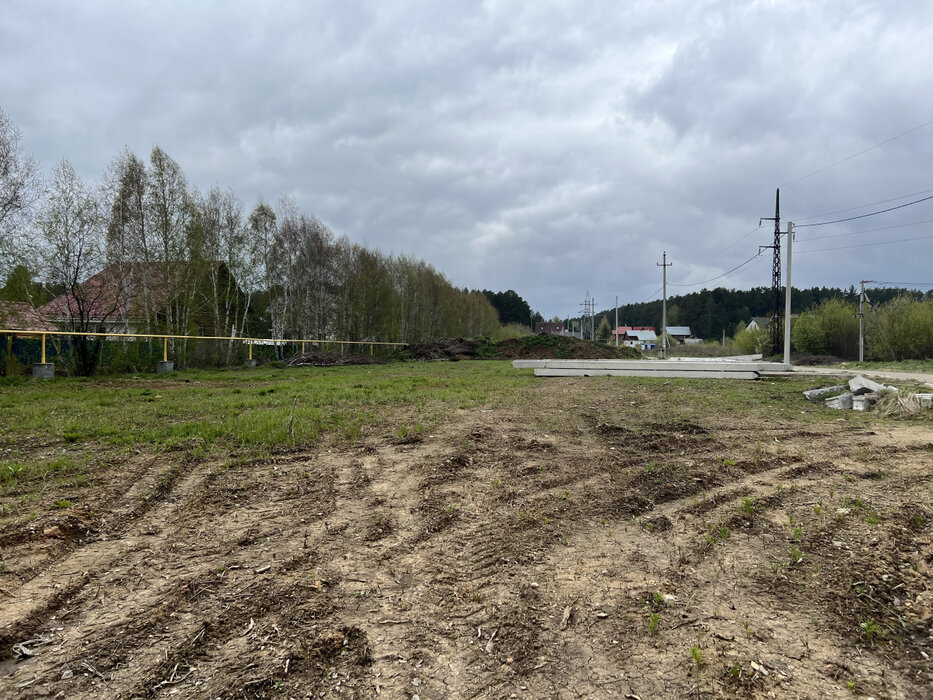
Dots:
{"x": 33, "y": 347}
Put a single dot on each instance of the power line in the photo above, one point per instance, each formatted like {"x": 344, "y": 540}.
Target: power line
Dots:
{"x": 904, "y": 284}
{"x": 727, "y": 272}
{"x": 856, "y": 155}
{"x": 862, "y": 206}
{"x": 867, "y": 245}
{"x": 651, "y": 297}
{"x": 863, "y": 216}
{"x": 869, "y": 230}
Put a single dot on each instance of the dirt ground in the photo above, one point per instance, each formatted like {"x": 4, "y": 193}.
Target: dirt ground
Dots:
{"x": 575, "y": 544}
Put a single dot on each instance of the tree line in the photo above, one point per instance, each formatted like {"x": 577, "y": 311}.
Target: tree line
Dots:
{"x": 711, "y": 312}
{"x": 164, "y": 257}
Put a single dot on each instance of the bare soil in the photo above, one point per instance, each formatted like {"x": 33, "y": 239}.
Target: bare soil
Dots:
{"x": 578, "y": 543}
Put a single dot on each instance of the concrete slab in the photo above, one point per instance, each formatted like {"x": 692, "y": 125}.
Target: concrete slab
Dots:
{"x": 671, "y": 373}
{"x": 864, "y": 402}
{"x": 843, "y": 401}
{"x": 925, "y": 400}
{"x": 650, "y": 365}
{"x": 165, "y": 367}
{"x": 250, "y": 363}
{"x": 817, "y": 394}
{"x": 862, "y": 385}
{"x": 43, "y": 370}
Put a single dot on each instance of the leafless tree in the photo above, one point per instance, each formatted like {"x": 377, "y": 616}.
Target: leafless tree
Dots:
{"x": 71, "y": 228}
{"x": 20, "y": 189}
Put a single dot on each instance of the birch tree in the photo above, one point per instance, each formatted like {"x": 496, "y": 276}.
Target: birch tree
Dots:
{"x": 20, "y": 189}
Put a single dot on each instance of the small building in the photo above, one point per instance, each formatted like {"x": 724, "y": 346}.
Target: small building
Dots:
{"x": 759, "y": 323}
{"x": 680, "y": 334}
{"x": 622, "y": 330}
{"x": 549, "y": 328}
{"x": 640, "y": 339}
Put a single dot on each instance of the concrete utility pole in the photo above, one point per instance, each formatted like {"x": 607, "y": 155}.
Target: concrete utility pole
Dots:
{"x": 617, "y": 320}
{"x": 861, "y": 323}
{"x": 861, "y": 320}
{"x": 790, "y": 247}
{"x": 664, "y": 265}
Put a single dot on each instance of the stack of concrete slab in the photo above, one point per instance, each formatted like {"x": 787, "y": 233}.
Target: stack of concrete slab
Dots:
{"x": 859, "y": 395}
{"x": 666, "y": 369}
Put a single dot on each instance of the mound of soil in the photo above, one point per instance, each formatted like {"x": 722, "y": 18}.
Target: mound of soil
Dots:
{"x": 444, "y": 349}
{"x": 556, "y": 347}
{"x": 332, "y": 359}
{"x": 808, "y": 360}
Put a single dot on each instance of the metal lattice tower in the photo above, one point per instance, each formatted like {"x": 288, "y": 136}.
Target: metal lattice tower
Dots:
{"x": 776, "y": 278}
{"x": 775, "y": 317}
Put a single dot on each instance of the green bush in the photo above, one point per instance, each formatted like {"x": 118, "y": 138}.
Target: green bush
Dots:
{"x": 902, "y": 329}
{"x": 830, "y": 328}
{"x": 752, "y": 341}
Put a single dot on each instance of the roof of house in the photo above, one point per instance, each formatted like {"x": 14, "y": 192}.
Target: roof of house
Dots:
{"x": 760, "y": 321}
{"x": 641, "y": 335}
{"x": 622, "y": 330}
{"x": 116, "y": 292}
{"x": 678, "y": 330}
{"x": 20, "y": 316}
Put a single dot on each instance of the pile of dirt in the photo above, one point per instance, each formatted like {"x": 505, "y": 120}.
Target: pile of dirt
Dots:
{"x": 331, "y": 359}
{"x": 529, "y": 347}
{"x": 452, "y": 349}
{"x": 807, "y": 360}
{"x": 556, "y": 347}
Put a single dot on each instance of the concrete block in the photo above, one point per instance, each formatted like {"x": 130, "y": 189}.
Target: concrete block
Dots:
{"x": 864, "y": 402}
{"x": 43, "y": 370}
{"x": 843, "y": 401}
{"x": 816, "y": 394}
{"x": 165, "y": 367}
{"x": 250, "y": 363}
{"x": 862, "y": 385}
{"x": 925, "y": 400}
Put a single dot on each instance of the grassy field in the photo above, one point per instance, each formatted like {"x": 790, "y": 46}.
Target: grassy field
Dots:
{"x": 444, "y": 528}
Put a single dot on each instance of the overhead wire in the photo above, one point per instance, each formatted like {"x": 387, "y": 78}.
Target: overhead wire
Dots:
{"x": 864, "y": 216}
{"x": 869, "y": 230}
{"x": 862, "y": 206}
{"x": 863, "y": 245}
{"x": 856, "y": 155}
{"x": 713, "y": 279}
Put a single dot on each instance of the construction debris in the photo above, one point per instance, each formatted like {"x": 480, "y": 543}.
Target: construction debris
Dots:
{"x": 861, "y": 394}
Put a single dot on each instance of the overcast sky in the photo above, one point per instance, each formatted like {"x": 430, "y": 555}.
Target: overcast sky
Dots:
{"x": 553, "y": 148}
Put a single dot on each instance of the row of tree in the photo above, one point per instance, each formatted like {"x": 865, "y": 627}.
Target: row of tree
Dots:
{"x": 711, "y": 312}
{"x": 899, "y": 329}
{"x": 144, "y": 249}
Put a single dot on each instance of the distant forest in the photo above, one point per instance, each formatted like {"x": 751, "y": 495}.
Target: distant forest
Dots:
{"x": 711, "y": 311}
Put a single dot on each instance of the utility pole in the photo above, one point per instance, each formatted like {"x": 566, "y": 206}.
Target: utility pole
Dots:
{"x": 861, "y": 323}
{"x": 790, "y": 240}
{"x": 664, "y": 265}
{"x": 617, "y": 321}
{"x": 775, "y": 273}
{"x": 861, "y": 320}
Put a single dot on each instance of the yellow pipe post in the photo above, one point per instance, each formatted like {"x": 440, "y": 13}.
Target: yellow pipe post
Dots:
{"x": 251, "y": 349}
{"x": 370, "y": 348}
{"x": 341, "y": 348}
{"x": 164, "y": 349}
{"x": 43, "y": 348}
{"x": 302, "y": 347}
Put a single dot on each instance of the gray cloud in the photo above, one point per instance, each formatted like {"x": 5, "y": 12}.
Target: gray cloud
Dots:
{"x": 552, "y": 148}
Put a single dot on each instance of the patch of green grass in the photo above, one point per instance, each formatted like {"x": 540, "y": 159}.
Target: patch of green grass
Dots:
{"x": 61, "y": 504}
{"x": 247, "y": 409}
